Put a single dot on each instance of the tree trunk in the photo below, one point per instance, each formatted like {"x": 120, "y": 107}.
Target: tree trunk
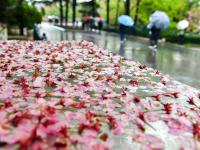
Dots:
{"x": 21, "y": 29}
{"x": 108, "y": 13}
{"x": 73, "y": 11}
{"x": 61, "y": 12}
{"x": 127, "y": 7}
{"x": 17, "y": 4}
{"x": 117, "y": 12}
{"x": 93, "y": 8}
{"x": 67, "y": 10}
{"x": 137, "y": 11}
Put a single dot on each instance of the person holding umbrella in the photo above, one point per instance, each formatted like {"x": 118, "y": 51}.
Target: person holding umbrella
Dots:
{"x": 182, "y": 26}
{"x": 158, "y": 21}
{"x": 125, "y": 22}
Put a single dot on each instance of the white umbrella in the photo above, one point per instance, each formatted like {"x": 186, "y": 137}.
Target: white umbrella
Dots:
{"x": 160, "y": 20}
{"x": 182, "y": 25}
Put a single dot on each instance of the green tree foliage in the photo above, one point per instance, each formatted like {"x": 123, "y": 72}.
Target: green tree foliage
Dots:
{"x": 176, "y": 9}
{"x": 23, "y": 15}
{"x": 116, "y": 9}
{"x": 89, "y": 8}
{"x": 6, "y": 6}
{"x": 53, "y": 9}
{"x": 194, "y": 20}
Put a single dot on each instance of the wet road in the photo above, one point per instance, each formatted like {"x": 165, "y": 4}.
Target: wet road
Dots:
{"x": 180, "y": 63}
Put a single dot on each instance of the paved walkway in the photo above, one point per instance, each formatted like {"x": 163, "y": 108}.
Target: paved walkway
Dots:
{"x": 177, "y": 61}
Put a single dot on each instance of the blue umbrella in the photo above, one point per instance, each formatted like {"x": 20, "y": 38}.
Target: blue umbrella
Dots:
{"x": 160, "y": 20}
{"x": 125, "y": 20}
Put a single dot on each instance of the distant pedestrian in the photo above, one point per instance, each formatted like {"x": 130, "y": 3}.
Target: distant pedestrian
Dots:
{"x": 182, "y": 26}
{"x": 100, "y": 24}
{"x": 91, "y": 23}
{"x": 123, "y": 31}
{"x": 154, "y": 36}
{"x": 125, "y": 22}
{"x": 158, "y": 21}
{"x": 85, "y": 23}
{"x": 96, "y": 23}
{"x": 181, "y": 36}
{"x": 44, "y": 37}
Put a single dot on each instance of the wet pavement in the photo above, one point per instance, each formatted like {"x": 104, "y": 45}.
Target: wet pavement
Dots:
{"x": 179, "y": 62}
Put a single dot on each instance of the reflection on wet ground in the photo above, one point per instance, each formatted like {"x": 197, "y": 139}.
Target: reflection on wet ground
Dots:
{"x": 179, "y": 62}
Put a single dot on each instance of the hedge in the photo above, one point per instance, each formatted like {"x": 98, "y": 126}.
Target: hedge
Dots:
{"x": 171, "y": 34}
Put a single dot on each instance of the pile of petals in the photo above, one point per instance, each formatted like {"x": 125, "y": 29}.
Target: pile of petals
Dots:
{"x": 76, "y": 96}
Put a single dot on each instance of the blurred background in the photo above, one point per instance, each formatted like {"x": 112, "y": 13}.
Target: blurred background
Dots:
{"x": 24, "y": 13}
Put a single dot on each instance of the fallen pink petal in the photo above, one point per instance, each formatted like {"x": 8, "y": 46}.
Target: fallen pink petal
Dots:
{"x": 74, "y": 95}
